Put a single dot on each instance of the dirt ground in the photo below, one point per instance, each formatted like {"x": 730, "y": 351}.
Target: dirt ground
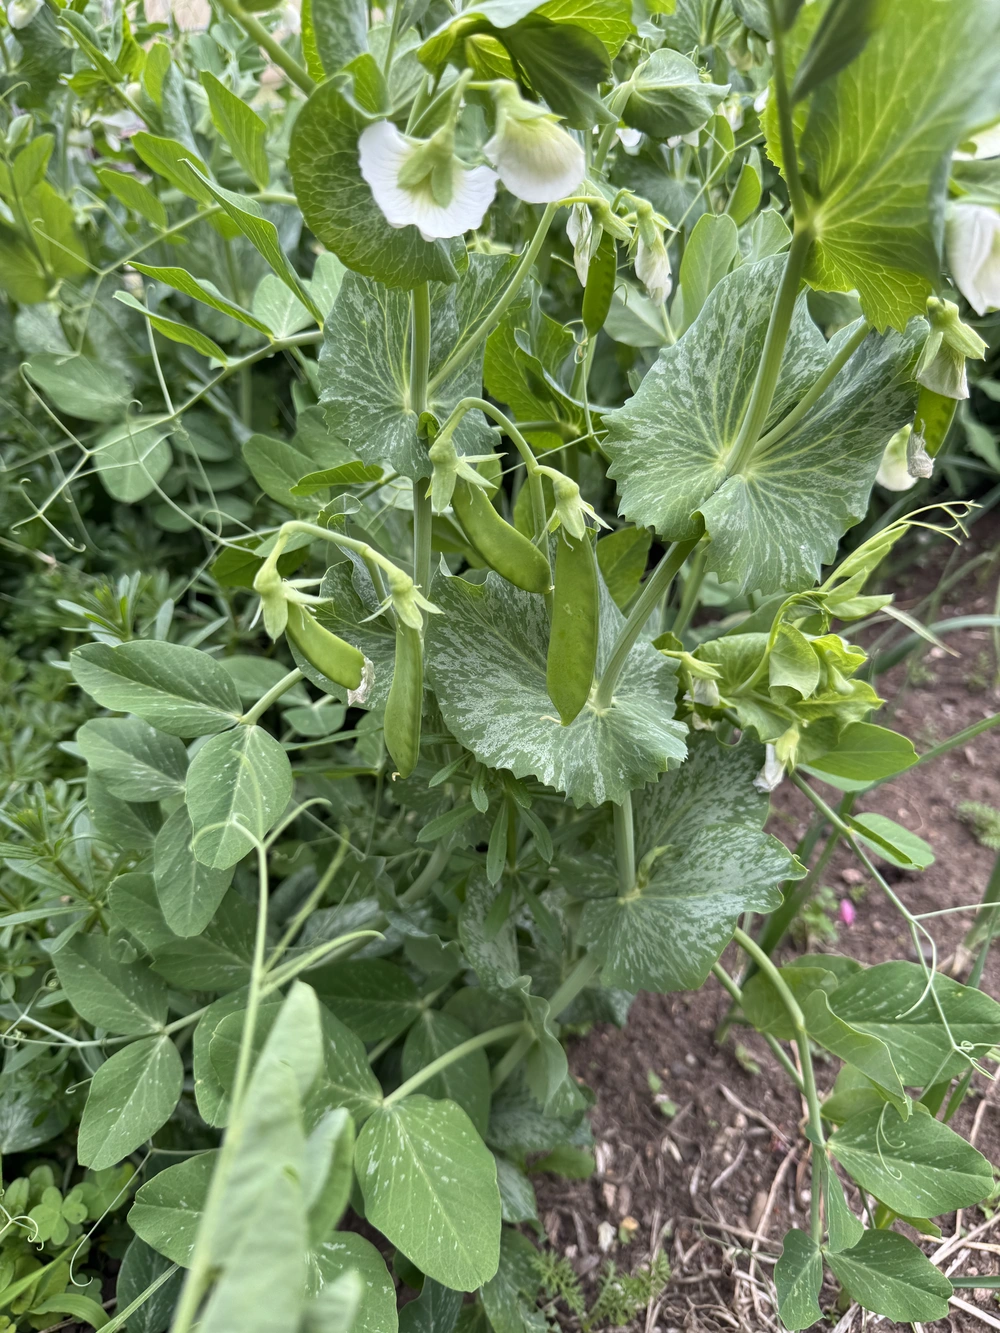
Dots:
{"x": 717, "y": 1184}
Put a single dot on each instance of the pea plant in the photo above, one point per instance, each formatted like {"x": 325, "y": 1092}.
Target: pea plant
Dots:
{"x": 479, "y": 400}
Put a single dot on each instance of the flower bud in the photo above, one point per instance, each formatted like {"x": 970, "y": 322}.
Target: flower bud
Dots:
{"x": 941, "y": 367}
{"x": 652, "y": 262}
{"x": 21, "y": 12}
{"x": 893, "y": 472}
{"x": 773, "y": 772}
{"x": 584, "y": 238}
{"x": 535, "y": 158}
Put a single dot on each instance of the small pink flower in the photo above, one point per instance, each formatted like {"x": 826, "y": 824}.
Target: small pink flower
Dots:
{"x": 847, "y": 912}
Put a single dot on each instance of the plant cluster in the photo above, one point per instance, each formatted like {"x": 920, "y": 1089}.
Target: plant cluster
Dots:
{"x": 435, "y": 433}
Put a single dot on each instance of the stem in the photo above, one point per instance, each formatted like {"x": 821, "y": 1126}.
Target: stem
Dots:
{"x": 750, "y": 947}
{"x": 253, "y": 28}
{"x": 970, "y": 733}
{"x": 625, "y": 844}
{"x": 266, "y": 700}
{"x": 983, "y": 926}
{"x": 656, "y": 585}
{"x": 460, "y": 354}
{"x": 789, "y": 148}
{"x": 736, "y": 995}
{"x": 456, "y": 1053}
{"x": 762, "y": 394}
{"x": 580, "y": 977}
{"x": 692, "y": 587}
{"x": 818, "y": 389}
{"x": 420, "y": 355}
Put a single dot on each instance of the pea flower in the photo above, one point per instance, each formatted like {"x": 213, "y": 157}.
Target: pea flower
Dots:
{"x": 972, "y": 235}
{"x": 421, "y": 183}
{"x": 652, "y": 262}
{"x": 535, "y": 158}
{"x": 771, "y": 775}
{"x": 893, "y": 472}
{"x": 941, "y": 367}
{"x": 21, "y": 12}
{"x": 584, "y": 237}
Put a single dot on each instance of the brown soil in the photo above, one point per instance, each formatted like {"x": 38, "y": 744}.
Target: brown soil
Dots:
{"x": 716, "y": 1185}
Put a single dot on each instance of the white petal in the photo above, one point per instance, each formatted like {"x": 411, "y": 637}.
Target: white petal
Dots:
{"x": 893, "y": 473}
{"x": 652, "y": 268}
{"x": 473, "y": 193}
{"x": 772, "y": 773}
{"x": 973, "y": 240}
{"x": 629, "y": 137}
{"x": 536, "y": 160}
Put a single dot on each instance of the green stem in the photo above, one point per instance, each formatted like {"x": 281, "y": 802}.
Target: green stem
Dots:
{"x": 275, "y": 692}
{"x": 420, "y": 358}
{"x": 786, "y": 124}
{"x": 255, "y": 29}
{"x": 798, "y": 1021}
{"x": 655, "y": 587}
{"x": 625, "y": 844}
{"x": 578, "y": 979}
{"x": 820, "y": 387}
{"x": 970, "y": 733}
{"x": 456, "y": 1053}
{"x": 692, "y": 587}
{"x": 283, "y": 975}
{"x": 729, "y": 985}
{"x": 762, "y": 394}
{"x": 983, "y": 926}
{"x": 461, "y": 353}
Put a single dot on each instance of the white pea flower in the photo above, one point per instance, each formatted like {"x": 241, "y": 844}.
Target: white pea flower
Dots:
{"x": 21, "y": 12}
{"x": 893, "y": 472}
{"x": 772, "y": 773}
{"x": 691, "y": 139}
{"x": 972, "y": 235}
{"x": 584, "y": 237}
{"x": 985, "y": 143}
{"x": 652, "y": 262}
{"x": 421, "y": 183}
{"x": 629, "y": 138}
{"x": 535, "y": 158}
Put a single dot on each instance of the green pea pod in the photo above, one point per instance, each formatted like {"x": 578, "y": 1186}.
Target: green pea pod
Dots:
{"x": 336, "y": 658}
{"x": 501, "y": 546}
{"x": 406, "y": 701}
{"x": 572, "y": 658}
{"x": 935, "y": 413}
{"x": 600, "y": 285}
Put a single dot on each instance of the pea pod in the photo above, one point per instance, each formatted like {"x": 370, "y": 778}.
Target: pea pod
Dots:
{"x": 935, "y": 414}
{"x": 501, "y": 546}
{"x": 572, "y": 656}
{"x": 600, "y": 285}
{"x": 335, "y": 657}
{"x": 406, "y": 700}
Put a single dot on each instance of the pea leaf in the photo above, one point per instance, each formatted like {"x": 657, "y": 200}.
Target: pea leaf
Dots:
{"x": 188, "y": 891}
{"x": 133, "y": 457}
{"x": 240, "y": 126}
{"x": 217, "y": 959}
{"x": 167, "y": 1209}
{"x": 798, "y": 1276}
{"x": 892, "y": 842}
{"x": 622, "y": 557}
{"x": 339, "y": 31}
{"x": 708, "y": 257}
{"x": 875, "y": 149}
{"x": 134, "y": 761}
{"x": 375, "y": 998}
{"x": 79, "y": 386}
{"x": 467, "y": 1081}
{"x": 200, "y": 290}
{"x": 774, "y": 525}
{"x": 175, "y": 329}
{"x": 364, "y": 365}
{"x": 141, "y": 1267}
{"x": 864, "y": 754}
{"x": 132, "y": 899}
{"x": 887, "y": 1274}
{"x": 918, "y": 1167}
{"x": 486, "y": 656}
{"x": 134, "y": 195}
{"x": 885, "y": 1000}
{"x": 131, "y": 1096}
{"x": 668, "y": 96}
{"x": 338, "y": 206}
{"x": 121, "y": 997}
{"x": 429, "y": 1185}
{"x": 176, "y": 689}
{"x": 238, "y": 785}
{"x": 346, "y": 1252}
{"x": 123, "y": 824}
{"x": 434, "y": 1311}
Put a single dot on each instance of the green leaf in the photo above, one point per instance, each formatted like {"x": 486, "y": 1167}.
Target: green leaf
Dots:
{"x": 708, "y": 256}
{"x": 669, "y": 445}
{"x": 121, "y": 997}
{"x": 338, "y": 206}
{"x": 798, "y": 1276}
{"x": 890, "y": 1001}
{"x": 262, "y": 234}
{"x": 240, "y": 126}
{"x": 845, "y": 1230}
{"x": 429, "y": 1185}
{"x": 869, "y": 1054}
{"x": 121, "y": 823}
{"x": 621, "y": 557}
{"x": 888, "y": 1275}
{"x": 79, "y": 386}
{"x": 131, "y": 1096}
{"x": 345, "y": 1253}
{"x": 141, "y": 1267}
{"x": 83, "y": 1308}
{"x": 840, "y": 37}
{"x": 864, "y": 754}
{"x": 793, "y": 661}
{"x": 238, "y": 785}
{"x": 132, "y": 899}
{"x": 217, "y": 959}
{"x": 699, "y": 833}
{"x": 608, "y": 20}
{"x": 434, "y": 1311}
{"x": 175, "y": 162}
{"x": 668, "y": 96}
{"x": 375, "y": 998}
{"x": 167, "y": 1209}
{"x": 918, "y": 1167}
{"x": 133, "y": 760}
{"x": 486, "y": 657}
{"x": 133, "y": 458}
{"x": 346, "y": 1078}
{"x": 329, "y": 1172}
{"x": 364, "y": 365}
{"x": 892, "y": 842}
{"x": 175, "y": 329}
{"x": 279, "y": 307}
{"x": 201, "y": 290}
{"x": 188, "y": 891}
{"x": 176, "y": 689}
{"x": 466, "y": 1082}
{"x": 134, "y": 195}
{"x": 924, "y": 77}
{"x": 339, "y": 31}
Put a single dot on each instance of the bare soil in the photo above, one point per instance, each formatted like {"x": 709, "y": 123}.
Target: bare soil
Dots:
{"x": 717, "y": 1184}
